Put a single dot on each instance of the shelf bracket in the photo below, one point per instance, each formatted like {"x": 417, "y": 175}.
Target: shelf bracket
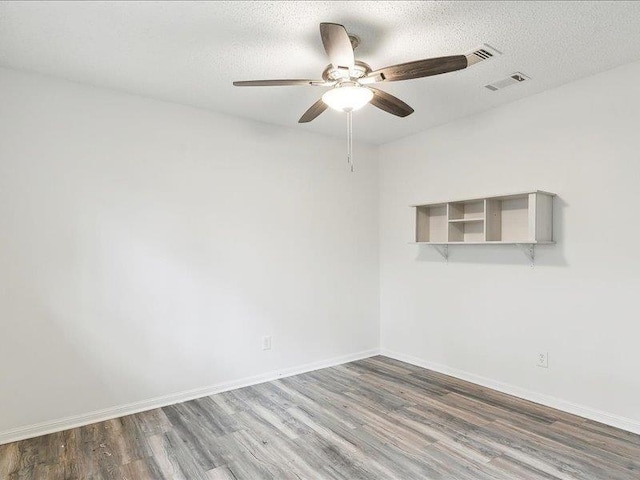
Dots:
{"x": 443, "y": 250}
{"x": 529, "y": 251}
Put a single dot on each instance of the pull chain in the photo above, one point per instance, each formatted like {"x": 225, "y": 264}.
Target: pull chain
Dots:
{"x": 350, "y": 140}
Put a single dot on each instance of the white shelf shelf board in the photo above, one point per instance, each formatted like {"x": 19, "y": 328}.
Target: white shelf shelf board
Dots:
{"x": 491, "y": 197}
{"x": 465, "y": 220}
{"x": 482, "y": 243}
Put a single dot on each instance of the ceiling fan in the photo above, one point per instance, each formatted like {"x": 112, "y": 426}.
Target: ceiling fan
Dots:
{"x": 350, "y": 80}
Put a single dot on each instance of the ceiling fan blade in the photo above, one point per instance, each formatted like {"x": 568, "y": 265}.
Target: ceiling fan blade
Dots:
{"x": 280, "y": 83}
{"x": 389, "y": 103}
{"x": 417, "y": 69}
{"x": 337, "y": 45}
{"x": 315, "y": 110}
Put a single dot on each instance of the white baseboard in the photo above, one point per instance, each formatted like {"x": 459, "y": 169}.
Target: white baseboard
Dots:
{"x": 607, "y": 418}
{"x": 30, "y": 431}
{"x": 66, "y": 423}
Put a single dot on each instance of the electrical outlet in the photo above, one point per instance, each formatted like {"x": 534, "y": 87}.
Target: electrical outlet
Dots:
{"x": 543, "y": 360}
{"x": 266, "y": 342}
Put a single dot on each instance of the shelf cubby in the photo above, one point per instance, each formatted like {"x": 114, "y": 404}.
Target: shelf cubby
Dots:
{"x": 466, "y": 210}
{"x": 431, "y": 223}
{"x": 466, "y": 231}
{"x": 508, "y": 219}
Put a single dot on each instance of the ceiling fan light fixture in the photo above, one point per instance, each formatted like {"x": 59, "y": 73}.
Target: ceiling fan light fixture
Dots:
{"x": 347, "y": 98}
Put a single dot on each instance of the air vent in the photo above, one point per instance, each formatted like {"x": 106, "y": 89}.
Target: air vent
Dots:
{"x": 480, "y": 54}
{"x": 512, "y": 79}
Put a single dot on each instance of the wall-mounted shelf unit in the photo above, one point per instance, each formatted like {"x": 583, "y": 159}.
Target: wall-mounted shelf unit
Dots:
{"x": 523, "y": 219}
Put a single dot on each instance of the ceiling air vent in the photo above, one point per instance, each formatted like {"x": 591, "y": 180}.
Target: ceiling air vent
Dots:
{"x": 480, "y": 54}
{"x": 512, "y": 79}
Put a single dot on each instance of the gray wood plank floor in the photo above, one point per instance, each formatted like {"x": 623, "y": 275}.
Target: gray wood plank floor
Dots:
{"x": 371, "y": 419}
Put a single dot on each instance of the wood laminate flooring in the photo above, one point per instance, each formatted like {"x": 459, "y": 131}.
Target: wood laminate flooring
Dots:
{"x": 371, "y": 419}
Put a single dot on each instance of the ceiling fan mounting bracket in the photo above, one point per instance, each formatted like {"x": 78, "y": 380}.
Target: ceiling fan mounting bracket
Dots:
{"x": 355, "y": 41}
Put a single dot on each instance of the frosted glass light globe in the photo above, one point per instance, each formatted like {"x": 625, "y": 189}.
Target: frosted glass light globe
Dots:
{"x": 347, "y": 98}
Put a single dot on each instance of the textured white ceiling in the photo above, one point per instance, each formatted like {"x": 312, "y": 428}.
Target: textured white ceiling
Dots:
{"x": 190, "y": 52}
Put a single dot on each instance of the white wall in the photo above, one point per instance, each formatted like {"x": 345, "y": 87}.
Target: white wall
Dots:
{"x": 146, "y": 248}
{"x": 486, "y": 314}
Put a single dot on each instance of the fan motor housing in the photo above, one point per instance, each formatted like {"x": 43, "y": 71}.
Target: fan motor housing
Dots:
{"x": 333, "y": 74}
